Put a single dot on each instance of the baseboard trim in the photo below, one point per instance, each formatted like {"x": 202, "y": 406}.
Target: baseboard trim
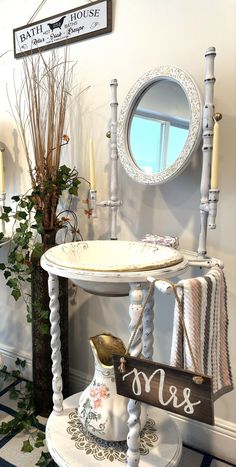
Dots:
{"x": 218, "y": 440}
{"x": 10, "y": 355}
{"x": 78, "y": 380}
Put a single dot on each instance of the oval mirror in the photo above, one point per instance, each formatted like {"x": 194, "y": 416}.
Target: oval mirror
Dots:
{"x": 159, "y": 125}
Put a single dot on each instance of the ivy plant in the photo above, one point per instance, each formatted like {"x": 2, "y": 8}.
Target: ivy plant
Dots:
{"x": 24, "y": 420}
{"x": 34, "y": 215}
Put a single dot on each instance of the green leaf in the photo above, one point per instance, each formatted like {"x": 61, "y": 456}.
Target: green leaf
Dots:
{"x": 29, "y": 317}
{"x": 7, "y": 274}
{"x": 19, "y": 257}
{"x": 13, "y": 283}
{"x": 14, "y": 394}
{"x": 44, "y": 329}
{"x": 26, "y": 423}
{"x": 38, "y": 216}
{"x": 64, "y": 170}
{"x": 23, "y": 203}
{"x": 16, "y": 294}
{"x": 21, "y": 405}
{"x": 4, "y": 427}
{"x": 73, "y": 190}
{"x": 2, "y": 266}
{"x": 19, "y": 215}
{"x": 20, "y": 362}
{"x": 12, "y": 256}
{"x": 15, "y": 373}
{"x": 7, "y": 209}
{"x": 38, "y": 444}
{"x": 5, "y": 217}
{"x": 44, "y": 459}
{"x": 27, "y": 446}
{"x": 15, "y": 198}
{"x": 38, "y": 250}
{"x": 41, "y": 435}
{"x": 1, "y": 235}
{"x": 44, "y": 314}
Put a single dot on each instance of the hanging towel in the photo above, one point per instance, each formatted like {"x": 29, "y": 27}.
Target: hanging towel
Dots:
{"x": 205, "y": 312}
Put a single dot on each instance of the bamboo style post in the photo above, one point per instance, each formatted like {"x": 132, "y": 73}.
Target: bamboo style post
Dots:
{"x": 113, "y": 202}
{"x": 208, "y": 124}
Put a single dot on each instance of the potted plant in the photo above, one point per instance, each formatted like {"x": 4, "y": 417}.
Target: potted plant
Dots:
{"x": 39, "y": 112}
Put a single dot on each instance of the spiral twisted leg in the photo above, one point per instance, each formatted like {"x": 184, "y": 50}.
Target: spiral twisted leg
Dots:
{"x": 134, "y": 407}
{"x": 53, "y": 291}
{"x": 148, "y": 329}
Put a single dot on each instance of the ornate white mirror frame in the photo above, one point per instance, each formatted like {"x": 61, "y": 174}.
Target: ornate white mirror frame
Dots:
{"x": 118, "y": 143}
{"x": 186, "y": 83}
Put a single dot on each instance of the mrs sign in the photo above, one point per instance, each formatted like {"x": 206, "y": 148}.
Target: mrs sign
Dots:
{"x": 165, "y": 387}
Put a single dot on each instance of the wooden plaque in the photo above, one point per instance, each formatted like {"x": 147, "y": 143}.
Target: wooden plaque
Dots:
{"x": 74, "y": 25}
{"x": 166, "y": 387}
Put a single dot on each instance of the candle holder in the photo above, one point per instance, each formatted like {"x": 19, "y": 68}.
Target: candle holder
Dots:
{"x": 212, "y": 207}
{"x": 92, "y": 202}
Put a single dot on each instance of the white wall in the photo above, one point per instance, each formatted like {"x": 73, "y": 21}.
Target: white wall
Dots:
{"x": 145, "y": 35}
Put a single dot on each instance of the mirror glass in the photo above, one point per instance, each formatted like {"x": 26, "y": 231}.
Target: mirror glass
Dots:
{"x": 159, "y": 125}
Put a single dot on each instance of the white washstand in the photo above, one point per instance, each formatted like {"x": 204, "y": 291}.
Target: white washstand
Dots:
{"x": 118, "y": 268}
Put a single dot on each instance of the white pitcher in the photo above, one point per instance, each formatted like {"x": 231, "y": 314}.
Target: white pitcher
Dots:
{"x": 101, "y": 410}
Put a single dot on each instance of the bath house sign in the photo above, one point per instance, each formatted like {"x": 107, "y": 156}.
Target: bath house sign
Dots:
{"x": 169, "y": 388}
{"x": 74, "y": 25}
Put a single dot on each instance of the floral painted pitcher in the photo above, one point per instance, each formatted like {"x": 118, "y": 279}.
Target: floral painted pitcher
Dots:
{"x": 101, "y": 410}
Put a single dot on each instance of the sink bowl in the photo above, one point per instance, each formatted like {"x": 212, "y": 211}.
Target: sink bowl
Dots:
{"x": 106, "y": 267}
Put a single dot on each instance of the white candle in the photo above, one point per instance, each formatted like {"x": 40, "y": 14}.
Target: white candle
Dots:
{"x": 91, "y": 161}
{"x": 215, "y": 154}
{"x": 2, "y": 185}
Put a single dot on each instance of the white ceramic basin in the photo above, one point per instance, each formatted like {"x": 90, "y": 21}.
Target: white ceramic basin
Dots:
{"x": 107, "y": 267}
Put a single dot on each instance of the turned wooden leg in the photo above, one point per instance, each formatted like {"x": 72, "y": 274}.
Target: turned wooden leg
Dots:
{"x": 148, "y": 329}
{"x": 53, "y": 291}
{"x": 134, "y": 407}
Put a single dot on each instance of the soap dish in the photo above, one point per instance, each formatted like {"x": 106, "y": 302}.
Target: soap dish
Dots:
{"x": 166, "y": 240}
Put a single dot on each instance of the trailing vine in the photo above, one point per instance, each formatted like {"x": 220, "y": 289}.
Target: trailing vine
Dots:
{"x": 31, "y": 223}
{"x": 25, "y": 419}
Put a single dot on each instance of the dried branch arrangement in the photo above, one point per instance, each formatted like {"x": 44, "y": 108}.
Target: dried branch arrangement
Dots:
{"x": 39, "y": 112}
{"x": 41, "y": 106}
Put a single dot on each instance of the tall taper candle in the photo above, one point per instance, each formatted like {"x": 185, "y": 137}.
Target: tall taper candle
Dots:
{"x": 215, "y": 153}
{"x": 2, "y": 185}
{"x": 92, "y": 170}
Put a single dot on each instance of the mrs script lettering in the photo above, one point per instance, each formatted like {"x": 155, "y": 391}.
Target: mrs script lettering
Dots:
{"x": 177, "y": 400}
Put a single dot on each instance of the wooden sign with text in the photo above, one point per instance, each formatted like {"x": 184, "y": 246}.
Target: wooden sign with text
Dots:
{"x": 80, "y": 23}
{"x": 166, "y": 387}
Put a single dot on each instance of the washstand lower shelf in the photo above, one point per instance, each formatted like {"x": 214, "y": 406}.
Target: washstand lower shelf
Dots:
{"x": 70, "y": 446}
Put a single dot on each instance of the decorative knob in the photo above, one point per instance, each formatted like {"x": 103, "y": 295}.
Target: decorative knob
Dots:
{"x": 217, "y": 117}
{"x": 108, "y": 134}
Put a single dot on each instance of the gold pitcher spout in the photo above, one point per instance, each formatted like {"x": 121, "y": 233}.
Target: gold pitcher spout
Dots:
{"x": 105, "y": 345}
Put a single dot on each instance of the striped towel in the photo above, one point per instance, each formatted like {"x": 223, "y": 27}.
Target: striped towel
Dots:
{"x": 204, "y": 302}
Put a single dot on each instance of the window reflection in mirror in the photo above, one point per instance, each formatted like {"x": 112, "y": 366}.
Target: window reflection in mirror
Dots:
{"x": 159, "y": 125}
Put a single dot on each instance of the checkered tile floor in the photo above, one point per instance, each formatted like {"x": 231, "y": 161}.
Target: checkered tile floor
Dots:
{"x": 12, "y": 456}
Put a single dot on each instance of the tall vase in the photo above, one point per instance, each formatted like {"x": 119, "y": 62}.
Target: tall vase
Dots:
{"x": 42, "y": 364}
{"x": 101, "y": 410}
